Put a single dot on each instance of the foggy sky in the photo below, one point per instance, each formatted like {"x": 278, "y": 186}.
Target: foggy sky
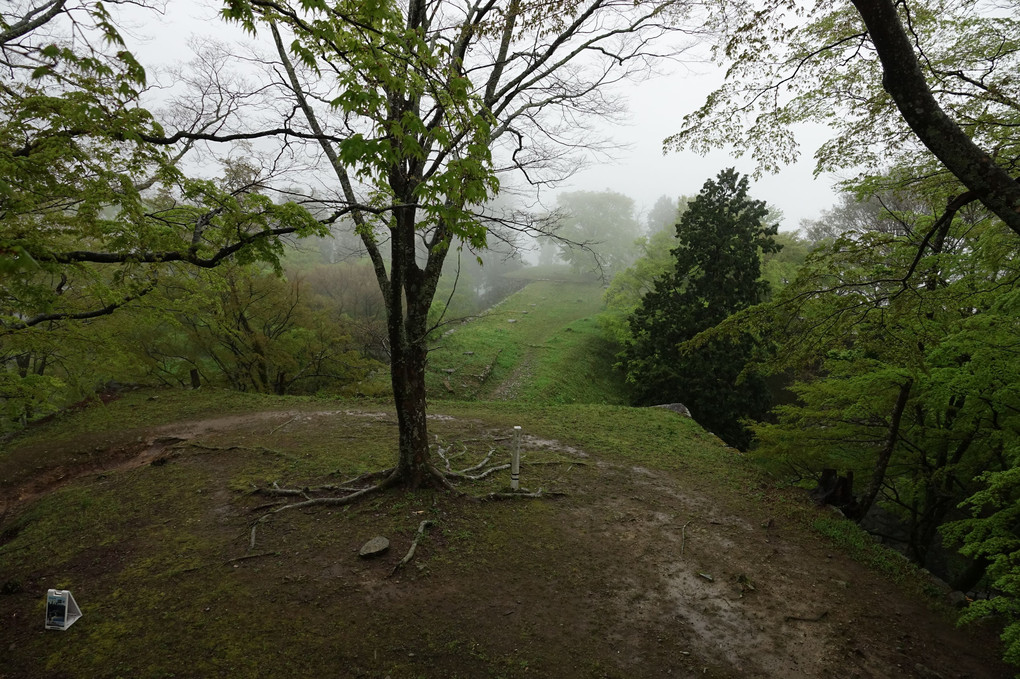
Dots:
{"x": 641, "y": 171}
{"x": 644, "y": 173}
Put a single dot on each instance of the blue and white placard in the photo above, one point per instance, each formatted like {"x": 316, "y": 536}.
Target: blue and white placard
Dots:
{"x": 61, "y": 609}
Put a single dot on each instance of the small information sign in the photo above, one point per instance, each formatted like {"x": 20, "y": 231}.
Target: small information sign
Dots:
{"x": 61, "y": 609}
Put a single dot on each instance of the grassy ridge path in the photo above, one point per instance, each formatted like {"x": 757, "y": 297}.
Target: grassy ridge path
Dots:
{"x": 540, "y": 345}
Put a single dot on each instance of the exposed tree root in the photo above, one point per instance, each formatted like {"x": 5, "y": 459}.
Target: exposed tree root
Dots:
{"x": 414, "y": 545}
{"x": 348, "y": 499}
{"x": 268, "y": 505}
{"x": 369, "y": 476}
{"x": 247, "y": 557}
{"x": 276, "y": 429}
{"x": 306, "y": 491}
{"x": 476, "y": 477}
{"x": 203, "y": 446}
{"x": 354, "y": 490}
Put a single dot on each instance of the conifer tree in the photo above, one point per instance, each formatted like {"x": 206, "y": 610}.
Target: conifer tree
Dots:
{"x": 716, "y": 272}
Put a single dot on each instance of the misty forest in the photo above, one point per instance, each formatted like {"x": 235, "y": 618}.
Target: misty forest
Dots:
{"x": 277, "y": 294}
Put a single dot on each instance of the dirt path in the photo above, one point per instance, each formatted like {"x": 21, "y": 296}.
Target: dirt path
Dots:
{"x": 753, "y": 597}
{"x": 510, "y": 388}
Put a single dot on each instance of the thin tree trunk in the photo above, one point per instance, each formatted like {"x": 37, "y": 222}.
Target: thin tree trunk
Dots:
{"x": 882, "y": 463}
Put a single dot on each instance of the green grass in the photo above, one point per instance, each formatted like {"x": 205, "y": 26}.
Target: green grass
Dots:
{"x": 539, "y": 345}
{"x": 148, "y": 552}
{"x": 861, "y": 546}
{"x": 577, "y": 367}
{"x": 650, "y": 437}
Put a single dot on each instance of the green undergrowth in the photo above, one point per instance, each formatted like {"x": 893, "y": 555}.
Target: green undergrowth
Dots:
{"x": 861, "y": 546}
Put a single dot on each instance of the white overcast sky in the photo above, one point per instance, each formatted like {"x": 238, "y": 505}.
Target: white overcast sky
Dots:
{"x": 640, "y": 171}
{"x": 644, "y": 173}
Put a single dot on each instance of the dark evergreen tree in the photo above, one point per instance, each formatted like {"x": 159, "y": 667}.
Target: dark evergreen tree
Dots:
{"x": 717, "y": 271}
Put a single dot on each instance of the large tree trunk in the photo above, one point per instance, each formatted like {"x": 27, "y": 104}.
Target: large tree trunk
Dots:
{"x": 411, "y": 290}
{"x": 407, "y": 373}
{"x": 905, "y": 83}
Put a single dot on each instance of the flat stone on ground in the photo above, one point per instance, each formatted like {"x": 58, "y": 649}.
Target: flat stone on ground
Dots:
{"x": 374, "y": 547}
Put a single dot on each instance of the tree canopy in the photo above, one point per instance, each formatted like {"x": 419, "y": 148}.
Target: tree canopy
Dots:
{"x": 924, "y": 87}
{"x": 597, "y": 231}
{"x": 906, "y": 377}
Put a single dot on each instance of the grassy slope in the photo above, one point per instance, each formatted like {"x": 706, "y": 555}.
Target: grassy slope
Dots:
{"x": 157, "y": 554}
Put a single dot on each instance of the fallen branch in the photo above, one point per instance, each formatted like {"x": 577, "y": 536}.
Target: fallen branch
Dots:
{"x": 414, "y": 545}
{"x": 250, "y": 556}
{"x": 821, "y": 616}
{"x": 283, "y": 425}
{"x": 683, "y": 537}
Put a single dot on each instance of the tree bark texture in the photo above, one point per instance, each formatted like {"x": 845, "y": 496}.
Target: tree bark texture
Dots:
{"x": 905, "y": 83}
{"x": 411, "y": 291}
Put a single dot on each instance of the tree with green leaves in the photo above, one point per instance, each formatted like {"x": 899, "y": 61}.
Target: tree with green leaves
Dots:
{"x": 420, "y": 109}
{"x": 247, "y": 328}
{"x": 716, "y": 272}
{"x": 93, "y": 198}
{"x": 907, "y": 376}
{"x": 628, "y": 287}
{"x": 94, "y": 205}
{"x": 664, "y": 215}
{"x": 597, "y": 231}
{"x": 929, "y": 89}
{"x": 654, "y": 260}
{"x": 926, "y": 87}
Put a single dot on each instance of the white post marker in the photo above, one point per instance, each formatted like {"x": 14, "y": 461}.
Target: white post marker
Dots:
{"x": 61, "y": 609}
{"x": 515, "y": 461}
